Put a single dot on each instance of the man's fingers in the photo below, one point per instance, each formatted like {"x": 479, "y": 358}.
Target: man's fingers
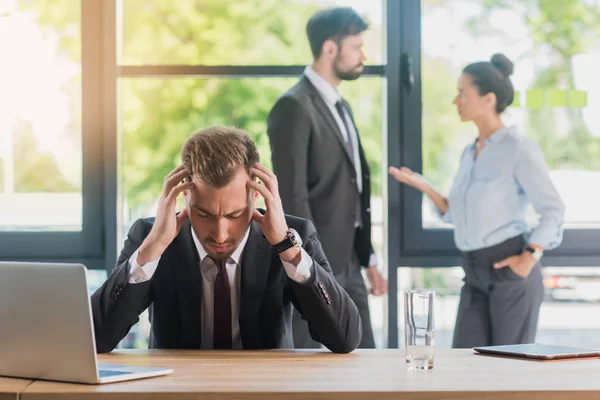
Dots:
{"x": 257, "y": 216}
{"x": 174, "y": 171}
{"x": 265, "y": 170}
{"x": 178, "y": 189}
{"x": 269, "y": 182}
{"x": 381, "y": 286}
{"x": 384, "y": 285}
{"x": 172, "y": 181}
{"x": 264, "y": 192}
{"x": 181, "y": 217}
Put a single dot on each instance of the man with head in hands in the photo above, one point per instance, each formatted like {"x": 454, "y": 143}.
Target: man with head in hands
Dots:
{"x": 221, "y": 274}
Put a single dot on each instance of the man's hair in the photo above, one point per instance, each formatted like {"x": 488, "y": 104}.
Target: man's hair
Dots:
{"x": 214, "y": 154}
{"x": 335, "y": 24}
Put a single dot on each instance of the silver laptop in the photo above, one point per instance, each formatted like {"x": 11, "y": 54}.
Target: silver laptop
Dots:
{"x": 46, "y": 328}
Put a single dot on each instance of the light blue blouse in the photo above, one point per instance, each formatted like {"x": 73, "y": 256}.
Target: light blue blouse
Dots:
{"x": 490, "y": 194}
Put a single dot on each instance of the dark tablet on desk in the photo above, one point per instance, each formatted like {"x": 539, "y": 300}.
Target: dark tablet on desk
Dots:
{"x": 538, "y": 351}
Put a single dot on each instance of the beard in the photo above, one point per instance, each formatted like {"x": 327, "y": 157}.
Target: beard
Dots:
{"x": 347, "y": 74}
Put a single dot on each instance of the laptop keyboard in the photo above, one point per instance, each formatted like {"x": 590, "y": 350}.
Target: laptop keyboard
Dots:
{"x": 105, "y": 373}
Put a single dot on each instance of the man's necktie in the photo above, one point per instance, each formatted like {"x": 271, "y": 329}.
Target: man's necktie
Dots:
{"x": 339, "y": 106}
{"x": 222, "y": 309}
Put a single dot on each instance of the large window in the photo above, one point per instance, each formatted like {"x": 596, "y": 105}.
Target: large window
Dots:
{"x": 554, "y": 51}
{"x": 47, "y": 209}
{"x": 555, "y": 84}
{"x": 186, "y": 66}
{"x": 555, "y": 46}
{"x": 94, "y": 113}
{"x": 40, "y": 122}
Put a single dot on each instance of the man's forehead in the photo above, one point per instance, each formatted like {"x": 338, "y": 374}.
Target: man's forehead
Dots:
{"x": 354, "y": 39}
{"x": 218, "y": 201}
{"x": 220, "y": 208}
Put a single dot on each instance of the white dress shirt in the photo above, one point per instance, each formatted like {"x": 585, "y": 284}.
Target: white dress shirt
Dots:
{"x": 143, "y": 273}
{"x": 331, "y": 96}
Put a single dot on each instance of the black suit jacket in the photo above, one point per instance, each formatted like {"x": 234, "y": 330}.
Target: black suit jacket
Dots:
{"x": 266, "y": 296}
{"x": 316, "y": 175}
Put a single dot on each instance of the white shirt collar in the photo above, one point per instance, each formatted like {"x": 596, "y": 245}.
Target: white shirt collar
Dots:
{"x": 237, "y": 254}
{"x": 328, "y": 92}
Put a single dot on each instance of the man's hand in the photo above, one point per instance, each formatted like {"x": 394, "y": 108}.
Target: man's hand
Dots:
{"x": 167, "y": 223}
{"x": 377, "y": 281}
{"x": 273, "y": 223}
{"x": 521, "y": 264}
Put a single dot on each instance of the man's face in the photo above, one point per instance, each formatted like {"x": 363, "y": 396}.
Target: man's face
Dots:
{"x": 348, "y": 63}
{"x": 221, "y": 217}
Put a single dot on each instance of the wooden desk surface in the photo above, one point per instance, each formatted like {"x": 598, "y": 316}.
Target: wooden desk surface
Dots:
{"x": 365, "y": 374}
{"x": 10, "y": 388}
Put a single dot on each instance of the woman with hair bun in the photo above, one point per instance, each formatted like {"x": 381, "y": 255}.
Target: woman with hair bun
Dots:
{"x": 500, "y": 174}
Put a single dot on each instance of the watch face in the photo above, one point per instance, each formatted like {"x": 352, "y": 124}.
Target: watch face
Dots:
{"x": 296, "y": 238}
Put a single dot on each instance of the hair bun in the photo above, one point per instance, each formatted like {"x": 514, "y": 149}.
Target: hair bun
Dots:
{"x": 502, "y": 64}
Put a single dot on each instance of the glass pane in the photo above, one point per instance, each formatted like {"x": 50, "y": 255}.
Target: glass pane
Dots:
{"x": 572, "y": 295}
{"x": 234, "y": 32}
{"x": 40, "y": 121}
{"x": 157, "y": 115}
{"x": 556, "y": 52}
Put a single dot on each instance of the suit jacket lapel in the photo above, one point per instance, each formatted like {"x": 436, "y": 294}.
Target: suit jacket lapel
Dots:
{"x": 189, "y": 288}
{"x": 255, "y": 265}
{"x": 323, "y": 109}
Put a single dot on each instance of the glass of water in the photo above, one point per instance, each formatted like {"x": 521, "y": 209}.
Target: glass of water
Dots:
{"x": 418, "y": 328}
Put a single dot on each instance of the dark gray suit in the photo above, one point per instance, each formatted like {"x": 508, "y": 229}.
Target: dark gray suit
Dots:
{"x": 266, "y": 296}
{"x": 317, "y": 181}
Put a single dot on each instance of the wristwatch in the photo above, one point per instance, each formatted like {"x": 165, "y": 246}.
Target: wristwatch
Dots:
{"x": 537, "y": 254}
{"x": 292, "y": 239}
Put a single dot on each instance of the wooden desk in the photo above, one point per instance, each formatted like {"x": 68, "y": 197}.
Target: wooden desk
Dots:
{"x": 10, "y": 388}
{"x": 366, "y": 374}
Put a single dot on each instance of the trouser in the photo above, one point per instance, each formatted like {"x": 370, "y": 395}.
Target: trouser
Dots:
{"x": 351, "y": 280}
{"x": 497, "y": 306}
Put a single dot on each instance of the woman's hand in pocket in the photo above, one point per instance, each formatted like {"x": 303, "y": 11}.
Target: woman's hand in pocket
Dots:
{"x": 521, "y": 264}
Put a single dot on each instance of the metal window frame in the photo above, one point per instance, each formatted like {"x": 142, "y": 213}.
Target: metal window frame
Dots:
{"x": 227, "y": 71}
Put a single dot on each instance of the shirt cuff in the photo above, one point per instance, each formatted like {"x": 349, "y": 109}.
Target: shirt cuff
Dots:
{"x": 137, "y": 274}
{"x": 548, "y": 240}
{"x": 302, "y": 272}
{"x": 372, "y": 260}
